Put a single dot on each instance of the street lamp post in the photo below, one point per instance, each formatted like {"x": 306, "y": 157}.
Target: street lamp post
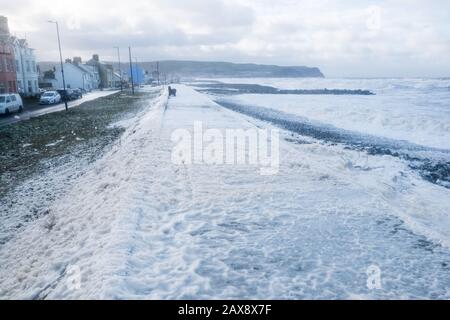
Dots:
{"x": 120, "y": 68}
{"x": 61, "y": 60}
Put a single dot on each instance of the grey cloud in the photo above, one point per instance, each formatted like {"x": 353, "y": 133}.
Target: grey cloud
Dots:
{"x": 228, "y": 24}
{"x": 322, "y": 33}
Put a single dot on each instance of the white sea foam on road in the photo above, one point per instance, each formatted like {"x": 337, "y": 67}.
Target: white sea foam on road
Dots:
{"x": 138, "y": 226}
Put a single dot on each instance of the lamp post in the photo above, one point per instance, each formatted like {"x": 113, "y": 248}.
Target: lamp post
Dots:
{"x": 120, "y": 68}
{"x": 61, "y": 60}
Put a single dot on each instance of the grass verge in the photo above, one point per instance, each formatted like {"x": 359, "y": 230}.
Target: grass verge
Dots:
{"x": 27, "y": 147}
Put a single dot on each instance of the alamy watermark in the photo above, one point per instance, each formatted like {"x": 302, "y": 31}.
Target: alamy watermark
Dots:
{"x": 373, "y": 277}
{"x": 255, "y": 147}
{"x": 373, "y": 21}
{"x": 73, "y": 281}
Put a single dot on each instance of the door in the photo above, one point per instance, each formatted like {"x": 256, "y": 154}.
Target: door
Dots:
{"x": 14, "y": 103}
{"x": 8, "y": 104}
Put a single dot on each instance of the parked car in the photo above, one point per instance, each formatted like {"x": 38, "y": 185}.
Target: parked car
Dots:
{"x": 66, "y": 95}
{"x": 50, "y": 97}
{"x": 10, "y": 103}
{"x": 78, "y": 94}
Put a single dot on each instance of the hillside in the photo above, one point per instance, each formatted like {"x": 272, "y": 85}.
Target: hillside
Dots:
{"x": 227, "y": 69}
{"x": 220, "y": 69}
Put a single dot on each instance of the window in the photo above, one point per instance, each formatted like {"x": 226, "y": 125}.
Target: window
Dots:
{"x": 28, "y": 66}
{"x": 13, "y": 98}
{"x": 9, "y": 65}
{"x": 17, "y": 66}
{"x": 10, "y": 87}
{"x": 33, "y": 63}
{"x": 30, "y": 89}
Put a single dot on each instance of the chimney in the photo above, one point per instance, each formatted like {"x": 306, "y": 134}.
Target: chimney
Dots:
{"x": 77, "y": 60}
{"x": 4, "y": 29}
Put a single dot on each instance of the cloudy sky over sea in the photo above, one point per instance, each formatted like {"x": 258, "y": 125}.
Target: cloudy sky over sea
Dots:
{"x": 344, "y": 38}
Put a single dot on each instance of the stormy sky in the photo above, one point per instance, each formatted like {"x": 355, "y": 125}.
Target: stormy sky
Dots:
{"x": 346, "y": 38}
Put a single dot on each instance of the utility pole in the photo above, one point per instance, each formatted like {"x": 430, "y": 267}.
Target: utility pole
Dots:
{"x": 157, "y": 71}
{"x": 131, "y": 71}
{"x": 62, "y": 64}
{"x": 120, "y": 69}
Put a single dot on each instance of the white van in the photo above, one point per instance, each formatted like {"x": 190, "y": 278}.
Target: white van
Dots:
{"x": 10, "y": 103}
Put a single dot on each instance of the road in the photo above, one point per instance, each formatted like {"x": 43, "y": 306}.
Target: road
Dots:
{"x": 32, "y": 111}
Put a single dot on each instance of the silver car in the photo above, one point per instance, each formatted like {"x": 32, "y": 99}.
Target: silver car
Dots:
{"x": 50, "y": 97}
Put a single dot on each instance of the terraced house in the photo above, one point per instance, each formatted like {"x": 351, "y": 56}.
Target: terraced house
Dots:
{"x": 8, "y": 75}
{"x": 26, "y": 68}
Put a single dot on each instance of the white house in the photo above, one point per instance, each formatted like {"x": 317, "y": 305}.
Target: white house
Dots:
{"x": 74, "y": 76}
{"x": 77, "y": 75}
{"x": 26, "y": 69}
{"x": 94, "y": 77}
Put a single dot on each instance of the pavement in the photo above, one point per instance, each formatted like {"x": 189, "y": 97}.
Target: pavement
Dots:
{"x": 33, "y": 109}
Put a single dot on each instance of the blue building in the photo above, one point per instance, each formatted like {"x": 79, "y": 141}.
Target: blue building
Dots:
{"x": 138, "y": 74}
